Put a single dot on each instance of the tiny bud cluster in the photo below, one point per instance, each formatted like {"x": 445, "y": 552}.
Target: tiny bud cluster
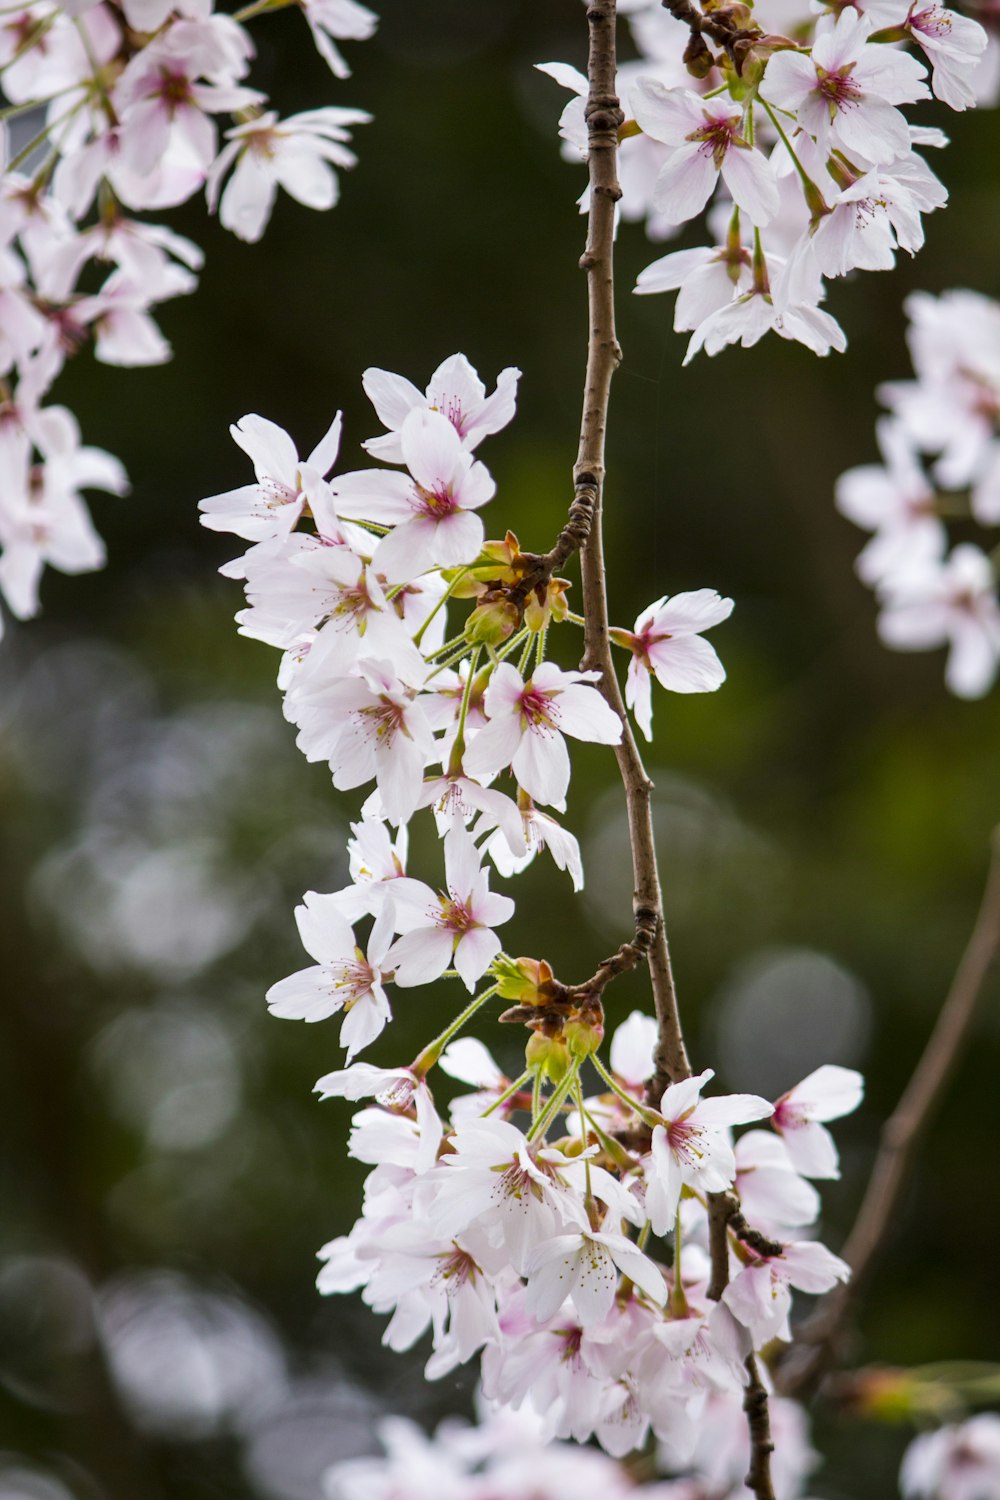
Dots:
{"x": 930, "y": 593}
{"x": 793, "y": 137}
{"x": 128, "y": 96}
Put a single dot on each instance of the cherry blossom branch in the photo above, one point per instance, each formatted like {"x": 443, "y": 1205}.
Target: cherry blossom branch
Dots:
{"x": 815, "y": 1344}
{"x": 604, "y": 116}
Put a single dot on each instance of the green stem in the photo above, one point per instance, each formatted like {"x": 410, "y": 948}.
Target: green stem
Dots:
{"x": 536, "y": 1096}
{"x": 429, "y": 1056}
{"x": 540, "y": 646}
{"x": 648, "y": 1116}
{"x": 815, "y": 201}
{"x": 440, "y": 605}
{"x": 529, "y": 646}
{"x": 258, "y": 7}
{"x": 508, "y": 1093}
{"x": 555, "y": 1103}
{"x": 678, "y": 1301}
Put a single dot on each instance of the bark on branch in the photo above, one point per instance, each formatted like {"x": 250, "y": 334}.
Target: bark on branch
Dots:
{"x": 816, "y": 1342}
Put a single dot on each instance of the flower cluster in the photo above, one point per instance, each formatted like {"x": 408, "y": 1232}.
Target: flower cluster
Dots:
{"x": 931, "y": 594}
{"x": 506, "y": 1456}
{"x": 559, "y": 1233}
{"x": 352, "y": 578}
{"x": 570, "y": 1250}
{"x": 124, "y": 100}
{"x": 795, "y": 138}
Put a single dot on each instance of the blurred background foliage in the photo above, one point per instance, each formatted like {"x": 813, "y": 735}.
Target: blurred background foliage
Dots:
{"x": 824, "y": 820}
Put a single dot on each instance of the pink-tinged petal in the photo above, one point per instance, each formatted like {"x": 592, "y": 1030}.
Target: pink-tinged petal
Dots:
{"x": 365, "y": 1021}
{"x": 462, "y": 862}
{"x": 632, "y": 1048}
{"x": 420, "y": 956}
{"x": 790, "y": 77}
{"x": 455, "y": 383}
{"x": 680, "y": 1097}
{"x": 379, "y": 495}
{"x": 639, "y": 695}
{"x": 432, "y": 448}
{"x": 324, "y": 455}
{"x": 468, "y": 1060}
{"x": 813, "y": 1268}
{"x": 687, "y": 664}
{"x": 494, "y": 746}
{"x": 324, "y": 932}
{"x": 475, "y": 488}
{"x": 667, "y": 115}
{"x": 733, "y": 1109}
{"x": 392, "y": 396}
{"x": 476, "y": 950}
{"x": 584, "y": 714}
{"x": 684, "y": 614}
{"x": 670, "y": 272}
{"x": 304, "y": 996}
{"x": 496, "y": 411}
{"x": 407, "y": 551}
{"x": 637, "y": 1267}
{"x": 503, "y": 695}
{"x": 413, "y": 904}
{"x": 752, "y": 183}
{"x": 541, "y": 765}
{"x": 812, "y": 1151}
{"x": 878, "y": 132}
{"x": 492, "y": 909}
{"x": 400, "y": 773}
{"x": 685, "y": 183}
{"x": 269, "y": 448}
{"x": 456, "y": 539}
{"x": 828, "y": 1093}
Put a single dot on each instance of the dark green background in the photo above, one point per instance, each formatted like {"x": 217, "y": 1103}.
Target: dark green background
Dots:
{"x": 824, "y": 818}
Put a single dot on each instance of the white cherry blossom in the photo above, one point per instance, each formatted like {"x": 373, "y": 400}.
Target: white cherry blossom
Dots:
{"x": 827, "y": 1094}
{"x": 454, "y": 390}
{"x": 272, "y": 506}
{"x": 666, "y": 643}
{"x": 527, "y": 721}
{"x": 455, "y": 926}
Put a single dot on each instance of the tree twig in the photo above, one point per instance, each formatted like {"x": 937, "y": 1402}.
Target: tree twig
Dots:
{"x": 604, "y": 116}
{"x": 815, "y": 1343}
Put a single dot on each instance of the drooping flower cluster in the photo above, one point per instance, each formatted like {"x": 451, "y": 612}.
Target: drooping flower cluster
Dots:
{"x": 123, "y": 104}
{"x": 506, "y": 1457}
{"x": 558, "y": 1233}
{"x": 801, "y": 152}
{"x": 930, "y": 593}
{"x": 352, "y": 578}
{"x": 563, "y": 1236}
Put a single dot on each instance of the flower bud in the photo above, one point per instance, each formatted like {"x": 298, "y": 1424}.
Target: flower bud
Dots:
{"x": 584, "y": 1034}
{"x": 491, "y": 623}
{"x": 547, "y": 1055}
{"x": 529, "y": 981}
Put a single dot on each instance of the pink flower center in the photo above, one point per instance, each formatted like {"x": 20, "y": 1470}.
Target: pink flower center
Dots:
{"x": 434, "y": 504}
{"x": 684, "y": 1140}
{"x": 451, "y": 407}
{"x": 538, "y": 709}
{"x": 931, "y": 22}
{"x": 382, "y": 720}
{"x": 455, "y": 915}
{"x": 717, "y": 136}
{"x": 839, "y": 89}
{"x": 456, "y": 1268}
{"x": 174, "y": 89}
{"x": 350, "y": 980}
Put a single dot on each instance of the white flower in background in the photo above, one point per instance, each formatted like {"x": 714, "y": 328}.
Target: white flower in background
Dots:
{"x": 827, "y": 1094}
{"x": 454, "y": 390}
{"x": 954, "y": 604}
{"x": 272, "y": 506}
{"x": 959, "y": 1462}
{"x": 897, "y": 503}
{"x": 332, "y": 21}
{"x": 299, "y": 154}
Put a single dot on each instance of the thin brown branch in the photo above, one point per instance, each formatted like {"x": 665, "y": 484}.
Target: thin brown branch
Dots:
{"x": 755, "y": 1404}
{"x": 816, "y": 1342}
{"x": 604, "y": 116}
